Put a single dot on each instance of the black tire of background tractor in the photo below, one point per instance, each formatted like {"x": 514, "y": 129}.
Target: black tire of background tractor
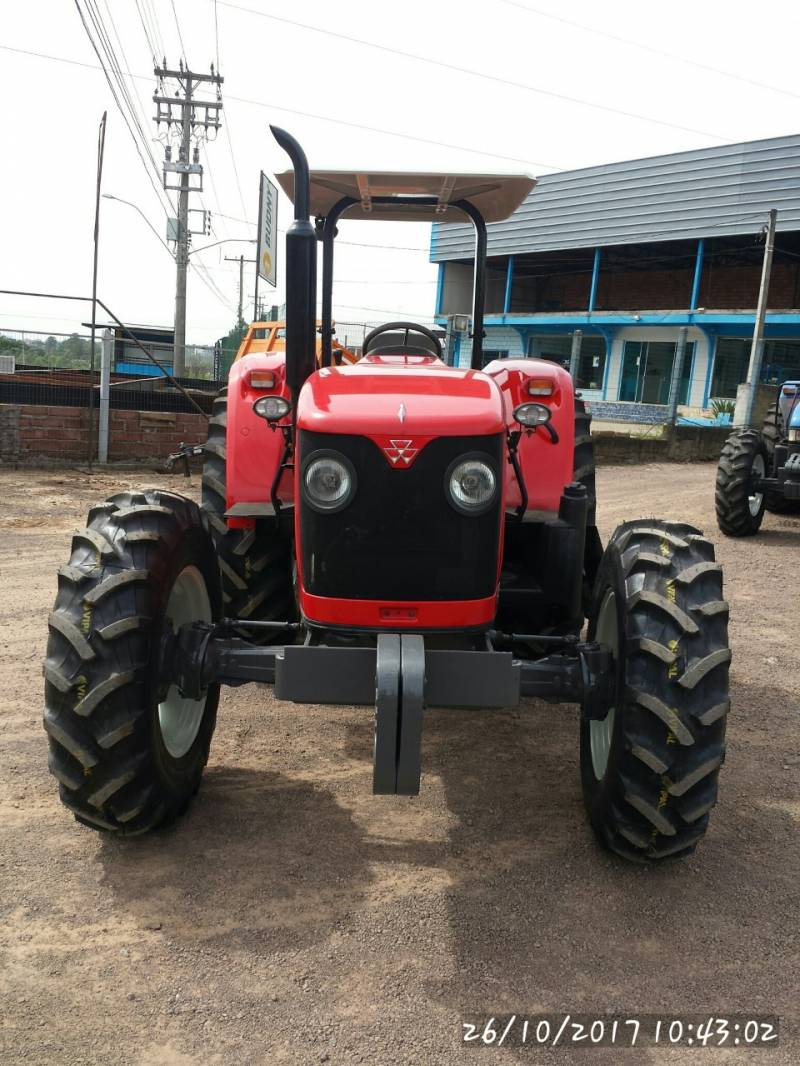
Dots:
{"x": 101, "y": 670}
{"x": 255, "y": 564}
{"x": 668, "y": 740}
{"x": 732, "y": 492}
{"x": 772, "y": 432}
{"x": 584, "y": 471}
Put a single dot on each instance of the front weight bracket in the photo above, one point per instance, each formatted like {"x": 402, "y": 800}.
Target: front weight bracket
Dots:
{"x": 412, "y": 704}
{"x": 387, "y": 715}
{"x": 399, "y": 706}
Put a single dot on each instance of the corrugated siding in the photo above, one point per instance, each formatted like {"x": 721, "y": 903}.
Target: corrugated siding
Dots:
{"x": 704, "y": 193}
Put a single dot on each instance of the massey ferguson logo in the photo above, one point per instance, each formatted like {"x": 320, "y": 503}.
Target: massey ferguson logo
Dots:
{"x": 401, "y": 452}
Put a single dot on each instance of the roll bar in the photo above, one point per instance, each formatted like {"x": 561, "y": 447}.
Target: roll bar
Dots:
{"x": 301, "y": 269}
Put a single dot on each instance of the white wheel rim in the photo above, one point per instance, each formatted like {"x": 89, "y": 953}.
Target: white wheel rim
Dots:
{"x": 602, "y": 730}
{"x": 179, "y": 717}
{"x": 755, "y": 499}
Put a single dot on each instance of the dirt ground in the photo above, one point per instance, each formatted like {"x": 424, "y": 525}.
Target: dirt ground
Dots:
{"x": 292, "y": 917}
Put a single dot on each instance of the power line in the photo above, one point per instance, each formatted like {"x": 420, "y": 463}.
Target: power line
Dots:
{"x": 309, "y": 114}
{"x": 120, "y": 107}
{"x": 158, "y": 37}
{"x": 453, "y": 67}
{"x": 649, "y": 48}
{"x": 228, "y": 136}
{"x": 216, "y": 30}
{"x": 147, "y": 32}
{"x": 391, "y": 133}
{"x": 180, "y": 35}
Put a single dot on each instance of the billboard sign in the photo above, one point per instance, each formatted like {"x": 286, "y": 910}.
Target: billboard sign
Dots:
{"x": 268, "y": 231}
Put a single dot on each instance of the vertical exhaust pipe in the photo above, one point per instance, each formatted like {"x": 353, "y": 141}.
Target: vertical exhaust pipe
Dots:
{"x": 301, "y": 273}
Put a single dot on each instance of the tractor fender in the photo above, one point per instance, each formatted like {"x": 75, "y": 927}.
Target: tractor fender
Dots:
{"x": 546, "y": 466}
{"x": 254, "y": 448}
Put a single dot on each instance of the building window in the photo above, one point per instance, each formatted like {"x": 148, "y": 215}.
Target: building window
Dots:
{"x": 558, "y": 348}
{"x": 647, "y": 371}
{"x": 494, "y": 353}
{"x": 781, "y": 360}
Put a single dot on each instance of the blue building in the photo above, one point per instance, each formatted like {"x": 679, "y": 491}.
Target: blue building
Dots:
{"x": 628, "y": 253}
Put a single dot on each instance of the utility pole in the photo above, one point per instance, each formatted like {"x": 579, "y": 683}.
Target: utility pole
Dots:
{"x": 745, "y": 410}
{"x": 240, "y": 259}
{"x": 191, "y": 117}
{"x": 575, "y": 355}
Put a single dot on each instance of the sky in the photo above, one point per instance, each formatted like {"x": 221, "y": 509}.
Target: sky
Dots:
{"x": 434, "y": 85}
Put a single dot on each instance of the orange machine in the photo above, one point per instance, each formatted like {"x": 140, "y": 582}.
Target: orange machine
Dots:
{"x": 271, "y": 337}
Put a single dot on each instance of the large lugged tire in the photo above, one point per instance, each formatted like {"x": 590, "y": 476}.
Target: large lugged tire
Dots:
{"x": 740, "y": 512}
{"x": 772, "y": 432}
{"x": 255, "y": 564}
{"x": 127, "y": 754}
{"x": 649, "y": 769}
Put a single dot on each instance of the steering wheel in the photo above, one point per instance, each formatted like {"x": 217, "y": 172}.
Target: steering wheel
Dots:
{"x": 431, "y": 347}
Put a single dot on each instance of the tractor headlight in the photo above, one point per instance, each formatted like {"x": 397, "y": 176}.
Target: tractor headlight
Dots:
{"x": 329, "y": 481}
{"x": 272, "y": 408}
{"x": 532, "y": 414}
{"x": 471, "y": 485}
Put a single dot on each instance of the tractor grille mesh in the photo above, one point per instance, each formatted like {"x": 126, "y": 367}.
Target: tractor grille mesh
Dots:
{"x": 399, "y": 539}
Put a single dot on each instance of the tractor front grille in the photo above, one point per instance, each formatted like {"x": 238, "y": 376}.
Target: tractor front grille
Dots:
{"x": 399, "y": 538}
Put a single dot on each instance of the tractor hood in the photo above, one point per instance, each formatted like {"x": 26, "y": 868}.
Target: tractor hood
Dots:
{"x": 403, "y": 395}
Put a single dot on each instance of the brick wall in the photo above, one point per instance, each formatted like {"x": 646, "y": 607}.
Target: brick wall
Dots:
{"x": 31, "y": 432}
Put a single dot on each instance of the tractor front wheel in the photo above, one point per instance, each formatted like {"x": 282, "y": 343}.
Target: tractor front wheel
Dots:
{"x": 649, "y": 768}
{"x": 255, "y": 564}
{"x": 740, "y": 510}
{"x": 127, "y": 750}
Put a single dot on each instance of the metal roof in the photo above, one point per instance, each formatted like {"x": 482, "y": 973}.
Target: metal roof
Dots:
{"x": 709, "y": 192}
{"x": 494, "y": 195}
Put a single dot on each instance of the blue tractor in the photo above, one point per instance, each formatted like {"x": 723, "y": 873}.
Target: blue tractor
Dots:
{"x": 759, "y": 470}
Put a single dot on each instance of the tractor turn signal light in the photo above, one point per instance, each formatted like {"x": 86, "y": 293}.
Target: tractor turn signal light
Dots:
{"x": 261, "y": 379}
{"x": 540, "y": 386}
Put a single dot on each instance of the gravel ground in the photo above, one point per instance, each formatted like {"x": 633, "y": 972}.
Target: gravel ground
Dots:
{"x": 292, "y": 917}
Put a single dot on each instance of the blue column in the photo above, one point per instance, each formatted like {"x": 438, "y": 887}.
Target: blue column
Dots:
{"x": 698, "y": 270}
{"x": 509, "y": 283}
{"x": 440, "y": 288}
{"x": 595, "y": 276}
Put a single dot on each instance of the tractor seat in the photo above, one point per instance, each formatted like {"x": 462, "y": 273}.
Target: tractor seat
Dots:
{"x": 396, "y": 344}
{"x": 402, "y": 338}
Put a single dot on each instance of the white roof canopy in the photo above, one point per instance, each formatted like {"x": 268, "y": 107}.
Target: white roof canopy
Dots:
{"x": 496, "y": 196}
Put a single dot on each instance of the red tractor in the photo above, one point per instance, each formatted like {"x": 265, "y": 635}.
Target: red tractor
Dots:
{"x": 397, "y": 533}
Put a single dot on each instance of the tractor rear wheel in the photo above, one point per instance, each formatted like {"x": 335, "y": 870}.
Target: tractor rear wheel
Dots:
{"x": 255, "y": 564}
{"x": 772, "y": 432}
{"x": 649, "y": 768}
{"x": 740, "y": 511}
{"x": 128, "y": 751}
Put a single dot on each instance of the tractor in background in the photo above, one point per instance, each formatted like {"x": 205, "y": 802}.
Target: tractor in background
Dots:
{"x": 395, "y": 534}
{"x": 759, "y": 471}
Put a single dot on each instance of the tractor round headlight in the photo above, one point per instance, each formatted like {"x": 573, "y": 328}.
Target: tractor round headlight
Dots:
{"x": 273, "y": 408}
{"x": 471, "y": 485}
{"x": 532, "y": 414}
{"x": 329, "y": 481}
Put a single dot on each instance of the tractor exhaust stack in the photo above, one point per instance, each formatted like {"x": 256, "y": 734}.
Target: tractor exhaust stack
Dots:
{"x": 301, "y": 273}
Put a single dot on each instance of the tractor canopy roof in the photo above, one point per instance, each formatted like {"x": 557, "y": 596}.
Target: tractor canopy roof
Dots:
{"x": 496, "y": 196}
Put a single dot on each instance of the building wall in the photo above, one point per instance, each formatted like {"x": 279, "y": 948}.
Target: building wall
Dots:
{"x": 703, "y": 351}
{"x": 723, "y": 190}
